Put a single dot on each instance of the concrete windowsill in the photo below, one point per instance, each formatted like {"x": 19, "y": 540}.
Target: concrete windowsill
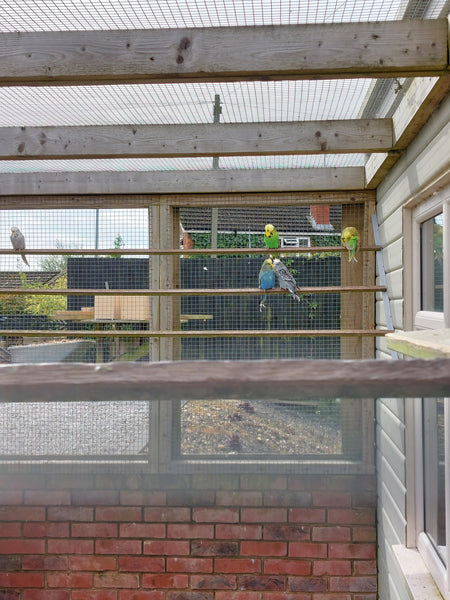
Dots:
{"x": 418, "y": 580}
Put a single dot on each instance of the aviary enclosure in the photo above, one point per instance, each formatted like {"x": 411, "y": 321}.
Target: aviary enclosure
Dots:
{"x": 151, "y": 278}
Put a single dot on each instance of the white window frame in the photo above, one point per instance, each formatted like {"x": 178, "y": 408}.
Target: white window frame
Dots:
{"x": 420, "y": 319}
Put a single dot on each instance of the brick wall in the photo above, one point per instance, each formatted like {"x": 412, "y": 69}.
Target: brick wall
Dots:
{"x": 190, "y": 537}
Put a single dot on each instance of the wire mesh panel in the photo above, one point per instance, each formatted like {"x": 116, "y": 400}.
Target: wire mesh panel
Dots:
{"x": 178, "y": 280}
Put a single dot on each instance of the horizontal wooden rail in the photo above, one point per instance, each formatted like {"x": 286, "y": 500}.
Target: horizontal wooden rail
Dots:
{"x": 209, "y": 333}
{"x": 336, "y": 289}
{"x": 189, "y": 252}
{"x": 206, "y": 380}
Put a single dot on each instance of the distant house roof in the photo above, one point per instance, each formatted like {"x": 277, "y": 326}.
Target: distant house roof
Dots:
{"x": 289, "y": 220}
{"x": 13, "y": 279}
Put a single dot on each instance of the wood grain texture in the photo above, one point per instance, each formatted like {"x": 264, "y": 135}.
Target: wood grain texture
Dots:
{"x": 266, "y": 379}
{"x": 225, "y": 139}
{"x": 219, "y": 181}
{"x": 375, "y": 49}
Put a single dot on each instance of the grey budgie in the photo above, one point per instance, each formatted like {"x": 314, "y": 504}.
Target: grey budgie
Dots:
{"x": 18, "y": 243}
{"x": 285, "y": 278}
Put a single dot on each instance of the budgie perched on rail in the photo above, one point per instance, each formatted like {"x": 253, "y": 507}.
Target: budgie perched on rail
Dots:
{"x": 285, "y": 278}
{"x": 271, "y": 237}
{"x": 266, "y": 280}
{"x": 350, "y": 238}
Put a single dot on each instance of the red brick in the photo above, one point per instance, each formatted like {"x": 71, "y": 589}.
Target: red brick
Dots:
{"x": 142, "y": 530}
{"x": 94, "y": 530}
{"x": 167, "y": 514}
{"x": 364, "y": 534}
{"x": 21, "y": 580}
{"x": 218, "y": 481}
{"x": 79, "y": 562}
{"x": 364, "y": 567}
{"x": 332, "y": 567}
{"x": 150, "y": 564}
{"x": 12, "y": 497}
{"x": 228, "y": 531}
{"x": 333, "y": 596}
{"x": 261, "y": 582}
{"x": 20, "y": 546}
{"x": 166, "y": 548}
{"x": 361, "y": 516}
{"x": 70, "y": 546}
{"x": 286, "y": 532}
{"x": 307, "y": 550}
{"x": 141, "y": 595}
{"x": 353, "y": 584}
{"x": 11, "y": 562}
{"x": 10, "y": 530}
{"x": 263, "y": 482}
{"x": 191, "y": 498}
{"x": 70, "y": 513}
{"x": 307, "y": 584}
{"x": 118, "y": 513}
{"x": 234, "y": 498}
{"x": 237, "y": 565}
{"x": 331, "y": 534}
{"x": 365, "y": 596}
{"x": 288, "y": 499}
{"x": 22, "y": 513}
{"x": 46, "y": 529}
{"x": 69, "y": 580}
{"x": 190, "y": 531}
{"x": 109, "y": 579}
{"x": 366, "y": 551}
{"x": 20, "y": 482}
{"x": 286, "y": 596}
{"x": 215, "y": 515}
{"x": 94, "y": 595}
{"x": 143, "y": 498}
{"x": 263, "y": 515}
{"x": 210, "y": 548}
{"x": 165, "y": 580}
{"x": 44, "y": 562}
{"x": 267, "y": 548}
{"x": 94, "y": 497}
{"x": 10, "y": 595}
{"x": 308, "y": 482}
{"x": 114, "y": 546}
{"x": 287, "y": 567}
{"x": 332, "y": 499}
{"x": 189, "y": 565}
{"x": 306, "y": 515}
{"x": 47, "y": 497}
{"x": 48, "y": 595}
{"x": 213, "y": 582}
{"x": 237, "y": 595}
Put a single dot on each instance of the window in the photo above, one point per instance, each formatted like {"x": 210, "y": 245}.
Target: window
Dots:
{"x": 428, "y": 419}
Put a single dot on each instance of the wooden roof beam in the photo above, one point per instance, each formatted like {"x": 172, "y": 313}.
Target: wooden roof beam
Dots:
{"x": 230, "y": 139}
{"x": 320, "y": 51}
{"x": 219, "y": 181}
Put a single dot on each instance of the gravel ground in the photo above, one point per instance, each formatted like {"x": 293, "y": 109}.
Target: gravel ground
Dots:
{"x": 207, "y": 428}
{"x": 234, "y": 427}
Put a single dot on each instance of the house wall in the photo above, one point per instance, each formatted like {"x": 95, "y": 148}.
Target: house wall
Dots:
{"x": 421, "y": 170}
{"x": 187, "y": 537}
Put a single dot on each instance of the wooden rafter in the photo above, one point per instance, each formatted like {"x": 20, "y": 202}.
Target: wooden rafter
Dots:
{"x": 224, "y": 139}
{"x": 333, "y": 50}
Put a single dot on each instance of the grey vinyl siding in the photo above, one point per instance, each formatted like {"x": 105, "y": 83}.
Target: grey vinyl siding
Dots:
{"x": 424, "y": 161}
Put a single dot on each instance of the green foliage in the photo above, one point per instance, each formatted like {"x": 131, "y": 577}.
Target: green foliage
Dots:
{"x": 118, "y": 244}
{"x": 229, "y": 240}
{"x": 36, "y": 304}
{"x": 55, "y": 263}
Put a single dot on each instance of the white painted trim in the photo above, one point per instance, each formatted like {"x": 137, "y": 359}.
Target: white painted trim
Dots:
{"x": 417, "y": 578}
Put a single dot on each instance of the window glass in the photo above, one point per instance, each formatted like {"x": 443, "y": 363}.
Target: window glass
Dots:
{"x": 434, "y": 474}
{"x": 432, "y": 264}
